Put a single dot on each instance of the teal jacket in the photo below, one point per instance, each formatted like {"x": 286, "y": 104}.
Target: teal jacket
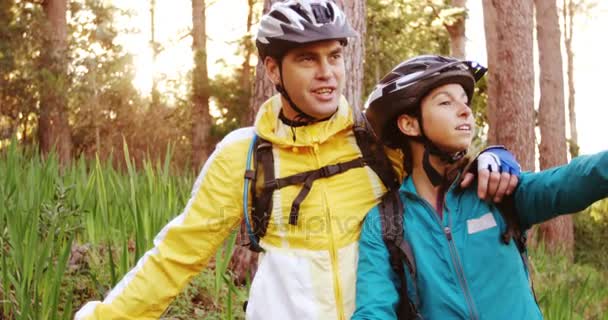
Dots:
{"x": 464, "y": 271}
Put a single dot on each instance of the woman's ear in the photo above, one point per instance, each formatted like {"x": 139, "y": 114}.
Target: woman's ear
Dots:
{"x": 408, "y": 125}
{"x": 273, "y": 71}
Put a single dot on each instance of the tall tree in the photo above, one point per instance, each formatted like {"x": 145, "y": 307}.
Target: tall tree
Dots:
{"x": 559, "y": 232}
{"x": 249, "y": 49}
{"x": 355, "y": 51}
{"x": 155, "y": 45}
{"x": 568, "y": 20}
{"x": 508, "y": 27}
{"x": 456, "y": 29}
{"x": 201, "y": 119}
{"x": 262, "y": 86}
{"x": 53, "y": 126}
{"x": 452, "y": 16}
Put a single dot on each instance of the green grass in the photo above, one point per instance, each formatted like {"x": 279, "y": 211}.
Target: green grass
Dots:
{"x": 569, "y": 291}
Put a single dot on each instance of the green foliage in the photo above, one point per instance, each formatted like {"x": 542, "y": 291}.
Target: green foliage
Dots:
{"x": 232, "y": 101}
{"x": 591, "y": 234}
{"x": 20, "y": 47}
{"x": 397, "y": 30}
{"x": 38, "y": 224}
{"x": 568, "y": 290}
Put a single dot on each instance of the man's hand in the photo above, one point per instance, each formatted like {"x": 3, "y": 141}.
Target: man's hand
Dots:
{"x": 497, "y": 172}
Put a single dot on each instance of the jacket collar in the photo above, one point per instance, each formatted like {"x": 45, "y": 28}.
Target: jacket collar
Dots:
{"x": 271, "y": 128}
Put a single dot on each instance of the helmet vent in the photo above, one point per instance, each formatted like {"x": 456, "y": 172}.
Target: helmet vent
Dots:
{"x": 299, "y": 10}
{"x": 322, "y": 14}
{"x": 279, "y": 16}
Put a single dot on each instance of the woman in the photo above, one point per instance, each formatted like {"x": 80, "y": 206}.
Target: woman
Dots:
{"x": 463, "y": 268}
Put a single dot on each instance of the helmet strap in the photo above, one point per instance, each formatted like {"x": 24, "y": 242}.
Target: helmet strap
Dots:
{"x": 430, "y": 148}
{"x": 301, "y": 116}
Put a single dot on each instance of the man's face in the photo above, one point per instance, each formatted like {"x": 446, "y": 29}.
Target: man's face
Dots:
{"x": 447, "y": 118}
{"x": 313, "y": 76}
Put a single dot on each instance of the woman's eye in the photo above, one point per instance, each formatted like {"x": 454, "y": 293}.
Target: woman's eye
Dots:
{"x": 445, "y": 103}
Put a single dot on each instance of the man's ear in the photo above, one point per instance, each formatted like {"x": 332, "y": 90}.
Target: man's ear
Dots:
{"x": 408, "y": 125}
{"x": 272, "y": 70}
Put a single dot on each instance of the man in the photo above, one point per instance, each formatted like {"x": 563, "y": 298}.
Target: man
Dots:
{"x": 307, "y": 270}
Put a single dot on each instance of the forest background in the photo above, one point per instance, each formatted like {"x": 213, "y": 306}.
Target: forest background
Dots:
{"x": 109, "y": 108}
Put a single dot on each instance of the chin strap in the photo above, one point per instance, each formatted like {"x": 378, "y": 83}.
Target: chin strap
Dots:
{"x": 431, "y": 148}
{"x": 302, "y": 117}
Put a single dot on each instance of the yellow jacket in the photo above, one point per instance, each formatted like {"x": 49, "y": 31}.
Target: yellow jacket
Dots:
{"x": 308, "y": 271}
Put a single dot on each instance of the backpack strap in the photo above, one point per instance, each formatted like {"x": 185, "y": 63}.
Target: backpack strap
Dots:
{"x": 515, "y": 231}
{"x": 372, "y": 151}
{"x": 263, "y": 203}
{"x": 261, "y": 151}
{"x": 400, "y": 252}
{"x": 249, "y": 186}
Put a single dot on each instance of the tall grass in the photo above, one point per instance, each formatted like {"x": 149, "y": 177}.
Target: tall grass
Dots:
{"x": 46, "y": 210}
{"x": 567, "y": 290}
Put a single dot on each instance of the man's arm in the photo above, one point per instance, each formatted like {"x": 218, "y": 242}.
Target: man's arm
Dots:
{"x": 497, "y": 174}
{"x": 560, "y": 190}
{"x": 377, "y": 291}
{"x": 183, "y": 247}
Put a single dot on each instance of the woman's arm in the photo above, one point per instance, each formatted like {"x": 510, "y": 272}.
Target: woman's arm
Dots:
{"x": 377, "y": 283}
{"x": 560, "y": 190}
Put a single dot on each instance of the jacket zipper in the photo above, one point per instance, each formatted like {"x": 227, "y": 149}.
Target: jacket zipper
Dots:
{"x": 458, "y": 263}
{"x": 453, "y": 255}
{"x": 332, "y": 252}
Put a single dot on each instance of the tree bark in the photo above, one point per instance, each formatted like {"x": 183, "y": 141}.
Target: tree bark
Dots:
{"x": 247, "y": 118}
{"x": 557, "y": 233}
{"x": 262, "y": 86}
{"x": 53, "y": 125}
{"x": 354, "y": 53}
{"x": 456, "y": 31}
{"x": 154, "y": 93}
{"x": 509, "y": 27}
{"x": 201, "y": 119}
{"x": 568, "y": 19}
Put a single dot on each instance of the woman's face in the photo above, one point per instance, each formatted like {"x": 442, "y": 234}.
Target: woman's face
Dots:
{"x": 447, "y": 118}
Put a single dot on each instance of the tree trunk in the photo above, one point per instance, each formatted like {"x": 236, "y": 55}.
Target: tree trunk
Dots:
{"x": 568, "y": 19}
{"x": 262, "y": 86}
{"x": 509, "y": 27}
{"x": 201, "y": 119}
{"x": 557, "y": 233}
{"x": 248, "y": 117}
{"x": 154, "y": 94}
{"x": 456, "y": 31}
{"x": 355, "y": 51}
{"x": 53, "y": 125}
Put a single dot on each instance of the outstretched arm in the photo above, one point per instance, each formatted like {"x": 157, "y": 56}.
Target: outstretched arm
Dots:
{"x": 182, "y": 248}
{"x": 377, "y": 291}
{"x": 560, "y": 190}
